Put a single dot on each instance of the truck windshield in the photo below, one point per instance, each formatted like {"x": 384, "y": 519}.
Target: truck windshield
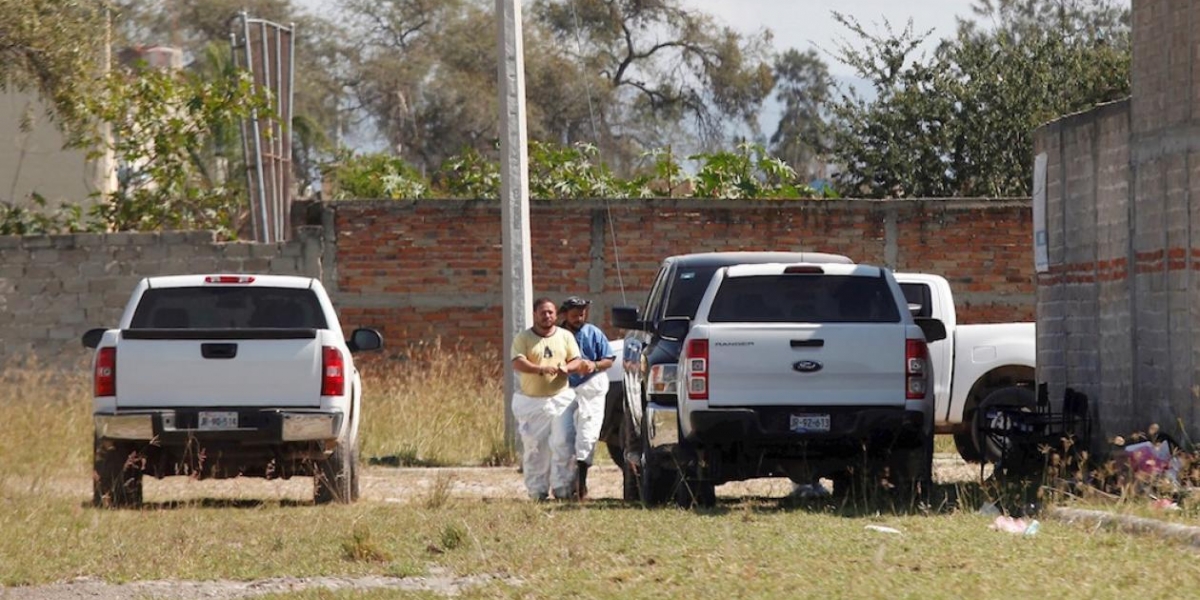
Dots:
{"x": 804, "y": 299}
{"x": 228, "y": 308}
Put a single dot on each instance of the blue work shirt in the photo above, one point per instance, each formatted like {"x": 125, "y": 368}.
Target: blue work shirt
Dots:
{"x": 593, "y": 345}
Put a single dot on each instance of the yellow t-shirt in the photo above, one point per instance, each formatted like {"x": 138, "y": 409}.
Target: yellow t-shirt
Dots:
{"x": 558, "y": 348}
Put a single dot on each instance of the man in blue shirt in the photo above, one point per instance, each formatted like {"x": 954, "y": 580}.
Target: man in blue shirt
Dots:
{"x": 590, "y": 384}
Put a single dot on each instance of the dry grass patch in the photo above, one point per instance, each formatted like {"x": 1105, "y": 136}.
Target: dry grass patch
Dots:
{"x": 439, "y": 406}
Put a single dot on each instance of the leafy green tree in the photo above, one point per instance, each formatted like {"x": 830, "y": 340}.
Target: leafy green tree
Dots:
{"x": 164, "y": 124}
{"x": 320, "y": 111}
{"x": 664, "y": 62}
{"x": 427, "y": 77}
{"x": 802, "y": 87}
{"x": 960, "y": 123}
{"x": 53, "y": 47}
{"x": 374, "y": 176}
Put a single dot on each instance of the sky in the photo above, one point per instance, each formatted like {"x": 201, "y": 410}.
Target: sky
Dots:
{"x": 809, "y": 24}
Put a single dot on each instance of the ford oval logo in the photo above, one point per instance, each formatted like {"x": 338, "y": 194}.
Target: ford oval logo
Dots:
{"x": 807, "y": 366}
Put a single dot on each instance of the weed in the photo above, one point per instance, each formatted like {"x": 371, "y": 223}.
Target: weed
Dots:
{"x": 361, "y": 548}
{"x": 453, "y": 535}
{"x": 440, "y": 492}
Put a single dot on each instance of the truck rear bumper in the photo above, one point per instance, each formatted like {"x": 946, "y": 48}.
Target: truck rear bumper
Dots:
{"x": 772, "y": 425}
{"x": 254, "y": 426}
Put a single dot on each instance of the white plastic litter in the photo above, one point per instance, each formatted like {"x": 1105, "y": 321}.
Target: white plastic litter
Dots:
{"x": 881, "y": 529}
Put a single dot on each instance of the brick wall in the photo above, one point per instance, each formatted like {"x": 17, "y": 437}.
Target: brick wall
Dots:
{"x": 431, "y": 269}
{"x": 418, "y": 270}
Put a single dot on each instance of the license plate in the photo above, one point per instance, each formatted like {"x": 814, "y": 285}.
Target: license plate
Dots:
{"x": 810, "y": 423}
{"x": 216, "y": 421}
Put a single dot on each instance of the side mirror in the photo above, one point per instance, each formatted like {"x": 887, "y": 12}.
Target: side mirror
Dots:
{"x": 674, "y": 328}
{"x": 91, "y": 339}
{"x": 627, "y": 317}
{"x": 365, "y": 340}
{"x": 935, "y": 329}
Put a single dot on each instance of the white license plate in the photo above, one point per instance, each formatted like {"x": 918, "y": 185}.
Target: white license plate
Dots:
{"x": 810, "y": 423}
{"x": 216, "y": 421}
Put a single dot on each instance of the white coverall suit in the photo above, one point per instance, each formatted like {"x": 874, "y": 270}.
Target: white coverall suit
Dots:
{"x": 591, "y": 393}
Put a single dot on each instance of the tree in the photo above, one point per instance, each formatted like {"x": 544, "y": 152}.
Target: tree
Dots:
{"x": 961, "y": 122}
{"x": 166, "y": 128}
{"x": 664, "y": 63}
{"x": 802, "y": 87}
{"x": 53, "y": 47}
{"x": 318, "y": 113}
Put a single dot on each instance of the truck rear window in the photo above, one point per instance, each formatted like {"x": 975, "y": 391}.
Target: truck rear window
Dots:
{"x": 804, "y": 299}
{"x": 228, "y": 308}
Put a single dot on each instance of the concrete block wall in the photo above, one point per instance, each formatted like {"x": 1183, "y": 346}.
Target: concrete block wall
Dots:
{"x": 420, "y": 270}
{"x": 1084, "y": 301}
{"x": 54, "y": 288}
{"x": 1119, "y": 312}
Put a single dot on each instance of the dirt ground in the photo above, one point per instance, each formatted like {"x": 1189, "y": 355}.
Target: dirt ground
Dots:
{"x": 379, "y": 484}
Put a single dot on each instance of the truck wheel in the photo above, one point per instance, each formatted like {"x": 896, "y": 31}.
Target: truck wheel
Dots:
{"x": 657, "y": 481}
{"x": 616, "y": 452}
{"x": 336, "y": 478}
{"x": 117, "y": 476}
{"x": 965, "y": 443}
{"x": 692, "y": 492}
{"x": 912, "y": 471}
{"x": 989, "y": 435}
{"x": 631, "y": 486}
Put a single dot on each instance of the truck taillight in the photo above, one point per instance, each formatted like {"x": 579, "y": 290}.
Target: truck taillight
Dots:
{"x": 696, "y": 369}
{"x": 105, "y": 377}
{"x": 333, "y": 372}
{"x": 916, "y": 369}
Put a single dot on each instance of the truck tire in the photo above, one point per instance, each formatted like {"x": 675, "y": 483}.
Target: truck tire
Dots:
{"x": 336, "y": 478}
{"x": 965, "y": 443}
{"x": 117, "y": 476}
{"x": 912, "y": 472}
{"x": 691, "y": 492}
{"x": 630, "y": 478}
{"x": 992, "y": 445}
{"x": 657, "y": 481}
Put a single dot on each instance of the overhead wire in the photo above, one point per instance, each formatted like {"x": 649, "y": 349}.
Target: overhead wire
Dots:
{"x": 587, "y": 82}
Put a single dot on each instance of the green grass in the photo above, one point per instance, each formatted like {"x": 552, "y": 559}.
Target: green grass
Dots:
{"x": 444, "y": 408}
{"x": 745, "y": 548}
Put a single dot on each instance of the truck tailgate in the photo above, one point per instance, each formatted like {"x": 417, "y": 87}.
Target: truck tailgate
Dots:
{"x": 787, "y": 364}
{"x": 231, "y": 370}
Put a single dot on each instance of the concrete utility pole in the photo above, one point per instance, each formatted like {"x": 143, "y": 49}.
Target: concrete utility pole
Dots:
{"x": 514, "y": 196}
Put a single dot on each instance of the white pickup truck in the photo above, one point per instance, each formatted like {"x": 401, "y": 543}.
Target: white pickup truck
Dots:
{"x": 975, "y": 367}
{"x": 801, "y": 370}
{"x": 224, "y": 376}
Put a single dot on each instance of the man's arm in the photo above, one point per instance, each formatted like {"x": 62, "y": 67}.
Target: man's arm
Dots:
{"x": 522, "y": 365}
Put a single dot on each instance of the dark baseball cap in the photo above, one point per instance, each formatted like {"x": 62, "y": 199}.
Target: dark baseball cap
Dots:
{"x": 574, "y": 302}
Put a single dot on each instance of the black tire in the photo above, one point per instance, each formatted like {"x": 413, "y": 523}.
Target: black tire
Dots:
{"x": 336, "y": 478}
{"x": 992, "y": 445}
{"x": 965, "y": 443}
{"x": 657, "y": 480}
{"x": 117, "y": 476}
{"x": 912, "y": 472}
{"x": 612, "y": 432}
{"x": 630, "y": 478}
{"x": 695, "y": 493}
{"x": 616, "y": 452}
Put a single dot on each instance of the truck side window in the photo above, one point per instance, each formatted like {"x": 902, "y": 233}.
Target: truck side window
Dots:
{"x": 918, "y": 294}
{"x": 686, "y": 291}
{"x": 653, "y": 301}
